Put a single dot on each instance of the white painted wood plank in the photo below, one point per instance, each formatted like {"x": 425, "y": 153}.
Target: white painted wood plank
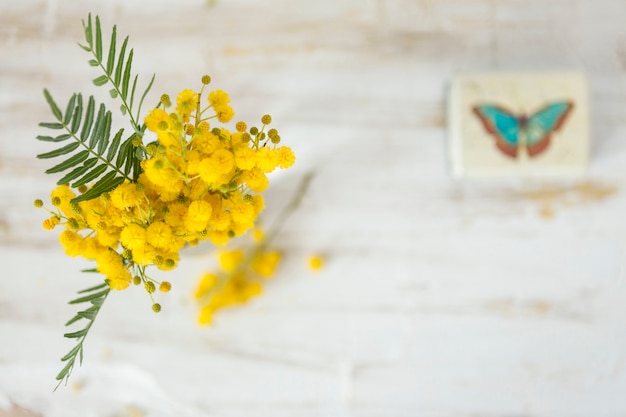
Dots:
{"x": 440, "y": 297}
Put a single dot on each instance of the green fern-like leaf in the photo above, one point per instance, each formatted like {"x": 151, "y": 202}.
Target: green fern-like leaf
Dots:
{"x": 96, "y": 297}
{"x": 117, "y": 69}
{"x": 90, "y": 155}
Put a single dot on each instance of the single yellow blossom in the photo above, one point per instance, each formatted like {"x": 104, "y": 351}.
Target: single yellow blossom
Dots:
{"x": 265, "y": 264}
{"x": 258, "y": 235}
{"x": 242, "y": 212}
{"x": 218, "y": 98}
{"x": 255, "y": 179}
{"x": 229, "y": 259}
{"x": 205, "y": 317}
{"x": 92, "y": 248}
{"x": 198, "y": 216}
{"x": 224, "y": 113}
{"x": 133, "y": 236}
{"x": 165, "y": 286}
{"x": 51, "y": 222}
{"x": 267, "y": 159}
{"x": 72, "y": 242}
{"x": 186, "y": 102}
{"x": 110, "y": 264}
{"x": 119, "y": 280}
{"x": 126, "y": 195}
{"x": 316, "y": 262}
{"x": 222, "y": 161}
{"x": 221, "y": 220}
{"x": 108, "y": 238}
{"x": 245, "y": 158}
{"x": 286, "y": 157}
{"x": 144, "y": 254}
{"x": 206, "y": 284}
{"x": 156, "y": 120}
{"x": 219, "y": 238}
{"x": 207, "y": 172}
{"x": 175, "y": 215}
{"x": 205, "y": 142}
{"x": 159, "y": 234}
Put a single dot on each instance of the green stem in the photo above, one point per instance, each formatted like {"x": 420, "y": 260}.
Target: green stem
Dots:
{"x": 274, "y": 230}
{"x": 286, "y": 212}
{"x": 133, "y": 121}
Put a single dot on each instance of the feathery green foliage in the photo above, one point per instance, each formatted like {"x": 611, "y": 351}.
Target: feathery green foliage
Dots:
{"x": 96, "y": 297}
{"x": 90, "y": 152}
{"x": 117, "y": 70}
{"x": 93, "y": 153}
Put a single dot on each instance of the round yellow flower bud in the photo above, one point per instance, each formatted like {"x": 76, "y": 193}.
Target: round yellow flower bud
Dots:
{"x": 241, "y": 126}
{"x": 50, "y": 223}
{"x": 72, "y": 223}
{"x": 149, "y": 286}
{"x": 165, "y": 99}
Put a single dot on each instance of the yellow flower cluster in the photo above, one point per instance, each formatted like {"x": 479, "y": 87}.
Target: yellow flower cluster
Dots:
{"x": 198, "y": 182}
{"x": 238, "y": 280}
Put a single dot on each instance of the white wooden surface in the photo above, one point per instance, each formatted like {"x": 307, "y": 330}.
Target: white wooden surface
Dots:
{"x": 440, "y": 297}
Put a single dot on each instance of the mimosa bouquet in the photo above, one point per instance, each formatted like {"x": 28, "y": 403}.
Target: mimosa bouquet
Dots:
{"x": 130, "y": 199}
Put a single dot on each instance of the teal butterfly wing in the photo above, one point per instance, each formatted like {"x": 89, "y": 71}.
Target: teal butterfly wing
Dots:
{"x": 503, "y": 125}
{"x": 541, "y": 124}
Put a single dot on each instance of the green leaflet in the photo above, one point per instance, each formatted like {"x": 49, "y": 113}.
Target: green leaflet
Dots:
{"x": 59, "y": 138}
{"x": 70, "y": 162}
{"x": 77, "y": 172}
{"x": 58, "y": 152}
{"x": 53, "y": 106}
{"x": 91, "y": 296}
{"x": 106, "y": 183}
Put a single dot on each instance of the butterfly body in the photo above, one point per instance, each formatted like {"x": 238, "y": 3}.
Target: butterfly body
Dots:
{"x": 513, "y": 132}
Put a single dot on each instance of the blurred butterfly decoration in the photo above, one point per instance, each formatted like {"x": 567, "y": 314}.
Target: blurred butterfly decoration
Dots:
{"x": 513, "y": 132}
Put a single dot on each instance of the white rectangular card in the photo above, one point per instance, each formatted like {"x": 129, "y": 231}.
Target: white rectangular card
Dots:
{"x": 530, "y": 124}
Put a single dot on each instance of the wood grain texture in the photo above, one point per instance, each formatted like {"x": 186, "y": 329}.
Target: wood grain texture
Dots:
{"x": 440, "y": 297}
